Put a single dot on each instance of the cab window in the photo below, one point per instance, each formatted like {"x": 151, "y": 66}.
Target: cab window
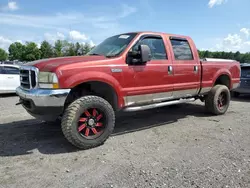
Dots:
{"x": 181, "y": 49}
{"x": 156, "y": 46}
{"x": 11, "y": 70}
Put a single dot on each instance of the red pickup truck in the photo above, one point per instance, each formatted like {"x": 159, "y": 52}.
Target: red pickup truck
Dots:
{"x": 130, "y": 72}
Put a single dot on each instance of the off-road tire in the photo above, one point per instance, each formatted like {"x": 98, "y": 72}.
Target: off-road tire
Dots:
{"x": 71, "y": 116}
{"x": 211, "y": 100}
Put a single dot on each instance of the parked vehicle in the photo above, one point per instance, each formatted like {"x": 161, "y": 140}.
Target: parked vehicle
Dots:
{"x": 9, "y": 78}
{"x": 244, "y": 87}
{"x": 128, "y": 72}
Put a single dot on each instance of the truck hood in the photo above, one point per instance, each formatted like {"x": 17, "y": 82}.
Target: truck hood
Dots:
{"x": 51, "y": 64}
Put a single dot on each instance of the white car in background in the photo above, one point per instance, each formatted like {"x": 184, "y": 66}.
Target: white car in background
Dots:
{"x": 9, "y": 78}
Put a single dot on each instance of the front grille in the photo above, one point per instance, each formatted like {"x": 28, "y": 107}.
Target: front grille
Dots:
{"x": 28, "y": 77}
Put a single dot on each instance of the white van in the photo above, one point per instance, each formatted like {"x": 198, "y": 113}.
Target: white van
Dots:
{"x": 9, "y": 78}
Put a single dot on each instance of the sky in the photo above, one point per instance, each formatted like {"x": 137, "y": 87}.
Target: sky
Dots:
{"x": 214, "y": 25}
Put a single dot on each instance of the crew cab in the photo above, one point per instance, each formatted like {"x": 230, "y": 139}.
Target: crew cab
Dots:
{"x": 126, "y": 72}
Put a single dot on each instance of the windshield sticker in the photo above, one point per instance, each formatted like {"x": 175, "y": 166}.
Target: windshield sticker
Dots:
{"x": 124, "y": 36}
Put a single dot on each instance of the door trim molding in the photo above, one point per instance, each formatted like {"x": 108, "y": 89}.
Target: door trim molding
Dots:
{"x": 157, "y": 97}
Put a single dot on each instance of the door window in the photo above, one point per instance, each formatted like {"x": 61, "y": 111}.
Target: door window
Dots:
{"x": 182, "y": 50}
{"x": 1, "y": 70}
{"x": 156, "y": 46}
{"x": 11, "y": 70}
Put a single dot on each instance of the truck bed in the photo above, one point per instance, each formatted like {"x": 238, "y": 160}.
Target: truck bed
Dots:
{"x": 212, "y": 68}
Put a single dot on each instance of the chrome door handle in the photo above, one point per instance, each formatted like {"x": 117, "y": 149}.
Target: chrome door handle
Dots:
{"x": 170, "y": 69}
{"x": 10, "y": 77}
{"x": 195, "y": 68}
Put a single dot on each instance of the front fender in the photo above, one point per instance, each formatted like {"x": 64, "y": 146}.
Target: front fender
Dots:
{"x": 89, "y": 76}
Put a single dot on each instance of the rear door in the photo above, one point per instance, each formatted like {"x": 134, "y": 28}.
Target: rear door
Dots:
{"x": 186, "y": 68}
{"x": 12, "y": 78}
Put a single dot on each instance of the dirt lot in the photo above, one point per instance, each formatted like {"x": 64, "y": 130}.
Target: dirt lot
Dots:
{"x": 169, "y": 147}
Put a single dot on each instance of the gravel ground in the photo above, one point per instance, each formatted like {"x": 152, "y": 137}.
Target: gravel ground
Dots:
{"x": 178, "y": 146}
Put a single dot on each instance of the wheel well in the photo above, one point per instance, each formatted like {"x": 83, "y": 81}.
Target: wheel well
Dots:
{"x": 96, "y": 88}
{"x": 223, "y": 80}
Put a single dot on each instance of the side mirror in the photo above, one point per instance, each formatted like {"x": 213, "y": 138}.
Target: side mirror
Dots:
{"x": 142, "y": 56}
{"x": 145, "y": 53}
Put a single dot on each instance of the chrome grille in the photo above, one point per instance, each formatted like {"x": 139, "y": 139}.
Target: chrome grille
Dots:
{"x": 28, "y": 77}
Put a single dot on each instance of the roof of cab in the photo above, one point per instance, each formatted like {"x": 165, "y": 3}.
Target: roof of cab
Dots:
{"x": 10, "y": 65}
{"x": 157, "y": 33}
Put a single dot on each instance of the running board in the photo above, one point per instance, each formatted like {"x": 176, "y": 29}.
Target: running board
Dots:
{"x": 156, "y": 105}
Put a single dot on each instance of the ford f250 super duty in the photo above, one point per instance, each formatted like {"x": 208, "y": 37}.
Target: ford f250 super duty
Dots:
{"x": 129, "y": 72}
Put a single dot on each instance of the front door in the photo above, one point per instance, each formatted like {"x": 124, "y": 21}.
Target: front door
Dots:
{"x": 153, "y": 81}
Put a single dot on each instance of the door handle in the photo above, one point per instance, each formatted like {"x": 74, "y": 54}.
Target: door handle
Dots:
{"x": 10, "y": 77}
{"x": 195, "y": 68}
{"x": 170, "y": 69}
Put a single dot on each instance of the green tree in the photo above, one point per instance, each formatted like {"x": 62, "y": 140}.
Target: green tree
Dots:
{"x": 16, "y": 51}
{"x": 230, "y": 55}
{"x": 3, "y": 55}
{"x": 46, "y": 50}
{"x": 86, "y": 48}
{"x": 58, "y": 48}
{"x": 245, "y": 58}
{"x": 201, "y": 54}
{"x": 70, "y": 50}
{"x": 237, "y": 56}
{"x": 77, "y": 49}
{"x": 207, "y": 54}
{"x": 32, "y": 52}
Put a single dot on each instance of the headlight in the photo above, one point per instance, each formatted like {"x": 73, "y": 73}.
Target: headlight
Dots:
{"x": 48, "y": 80}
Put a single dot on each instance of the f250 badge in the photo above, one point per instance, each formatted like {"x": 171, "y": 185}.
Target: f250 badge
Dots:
{"x": 116, "y": 70}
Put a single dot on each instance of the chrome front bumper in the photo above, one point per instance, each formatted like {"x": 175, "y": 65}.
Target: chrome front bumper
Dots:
{"x": 43, "y": 103}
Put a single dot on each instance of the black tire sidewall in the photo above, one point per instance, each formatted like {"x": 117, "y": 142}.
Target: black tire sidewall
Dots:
{"x": 216, "y": 96}
{"x": 107, "y": 110}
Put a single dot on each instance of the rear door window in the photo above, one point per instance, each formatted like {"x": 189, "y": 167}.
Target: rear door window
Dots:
{"x": 181, "y": 49}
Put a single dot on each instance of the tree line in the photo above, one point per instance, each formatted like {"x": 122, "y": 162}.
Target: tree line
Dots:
{"x": 241, "y": 57}
{"x": 30, "y": 50}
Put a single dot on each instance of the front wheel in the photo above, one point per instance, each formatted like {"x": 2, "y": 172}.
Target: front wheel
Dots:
{"x": 218, "y": 99}
{"x": 88, "y": 122}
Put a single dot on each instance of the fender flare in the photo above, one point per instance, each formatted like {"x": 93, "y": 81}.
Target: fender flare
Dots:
{"x": 220, "y": 73}
{"x": 89, "y": 76}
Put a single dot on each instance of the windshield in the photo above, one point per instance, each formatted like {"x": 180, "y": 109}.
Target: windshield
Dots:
{"x": 113, "y": 46}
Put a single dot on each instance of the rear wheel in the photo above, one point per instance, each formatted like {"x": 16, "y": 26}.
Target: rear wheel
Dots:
{"x": 218, "y": 99}
{"x": 88, "y": 122}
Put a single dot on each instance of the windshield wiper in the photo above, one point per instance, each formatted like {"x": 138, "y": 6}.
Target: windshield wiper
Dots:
{"x": 114, "y": 55}
{"x": 96, "y": 54}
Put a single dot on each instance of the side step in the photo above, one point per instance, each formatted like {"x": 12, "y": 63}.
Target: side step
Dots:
{"x": 157, "y": 105}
